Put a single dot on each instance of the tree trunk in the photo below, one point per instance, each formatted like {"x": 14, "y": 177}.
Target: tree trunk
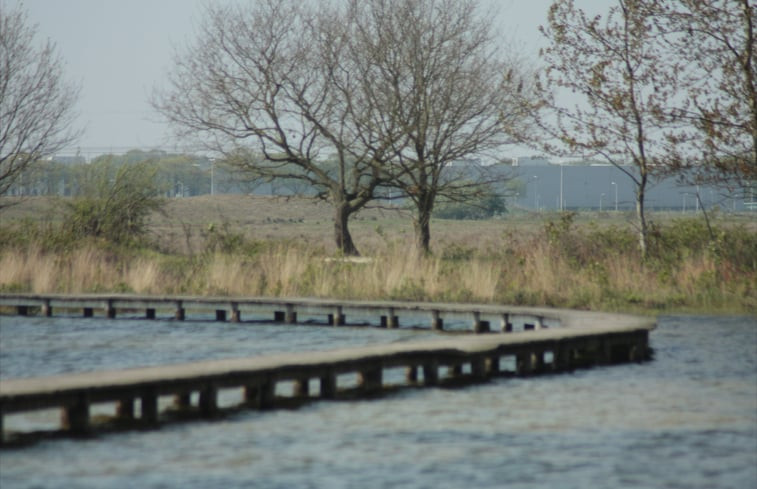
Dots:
{"x": 342, "y": 234}
{"x": 641, "y": 216}
{"x": 422, "y": 225}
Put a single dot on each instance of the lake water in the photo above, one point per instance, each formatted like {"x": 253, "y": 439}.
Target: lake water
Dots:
{"x": 686, "y": 419}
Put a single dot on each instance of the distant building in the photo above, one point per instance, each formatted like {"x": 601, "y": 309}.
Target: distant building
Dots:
{"x": 530, "y": 161}
{"x": 541, "y": 185}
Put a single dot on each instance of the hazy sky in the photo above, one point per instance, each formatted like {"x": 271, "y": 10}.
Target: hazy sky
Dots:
{"x": 120, "y": 50}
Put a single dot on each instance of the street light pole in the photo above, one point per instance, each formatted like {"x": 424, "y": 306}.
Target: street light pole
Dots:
{"x": 561, "y": 187}
{"x": 212, "y": 176}
{"x": 616, "y": 195}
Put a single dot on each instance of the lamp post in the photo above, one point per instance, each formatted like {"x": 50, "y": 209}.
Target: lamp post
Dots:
{"x": 561, "y": 187}
{"x": 212, "y": 176}
{"x": 616, "y": 195}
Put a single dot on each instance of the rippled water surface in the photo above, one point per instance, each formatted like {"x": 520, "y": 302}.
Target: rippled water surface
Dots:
{"x": 687, "y": 419}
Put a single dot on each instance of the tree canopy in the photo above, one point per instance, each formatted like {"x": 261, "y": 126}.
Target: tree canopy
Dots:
{"x": 349, "y": 96}
{"x": 36, "y": 103}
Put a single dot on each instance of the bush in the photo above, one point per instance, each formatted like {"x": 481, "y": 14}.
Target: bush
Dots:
{"x": 114, "y": 202}
{"x": 482, "y": 208}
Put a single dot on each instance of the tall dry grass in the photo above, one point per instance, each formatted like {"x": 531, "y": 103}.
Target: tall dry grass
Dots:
{"x": 563, "y": 269}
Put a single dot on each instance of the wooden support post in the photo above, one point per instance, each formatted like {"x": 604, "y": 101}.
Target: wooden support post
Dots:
{"x": 220, "y": 315}
{"x": 337, "y": 318}
{"x": 505, "y": 324}
{"x": 290, "y": 314}
{"x": 523, "y": 364}
{"x": 492, "y": 365}
{"x": 125, "y": 408}
{"x": 476, "y": 322}
{"x": 252, "y": 395}
{"x": 180, "y": 313}
{"x": 431, "y": 373}
{"x": 150, "y": 313}
{"x": 110, "y": 311}
{"x": 455, "y": 370}
{"x": 261, "y": 396}
{"x": 149, "y": 404}
{"x": 411, "y": 374}
{"x": 478, "y": 368}
{"x": 208, "y": 402}
{"x": 370, "y": 379}
{"x": 236, "y": 316}
{"x": 302, "y": 388}
{"x": 328, "y": 386}
{"x": 537, "y": 360}
{"x": 75, "y": 418}
{"x": 47, "y": 309}
{"x": 183, "y": 400}
{"x": 538, "y": 323}
{"x": 87, "y": 312}
{"x": 437, "y": 323}
{"x": 392, "y": 320}
{"x": 562, "y": 358}
{"x": 267, "y": 394}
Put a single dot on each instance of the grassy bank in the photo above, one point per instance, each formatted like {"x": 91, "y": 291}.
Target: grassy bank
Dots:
{"x": 576, "y": 261}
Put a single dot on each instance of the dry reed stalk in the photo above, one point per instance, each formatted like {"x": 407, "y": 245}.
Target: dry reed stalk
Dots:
{"x": 44, "y": 274}
{"x": 405, "y": 269}
{"x": 28, "y": 270}
{"x": 547, "y": 272}
{"x": 88, "y": 269}
{"x": 145, "y": 277}
{"x": 480, "y": 278}
{"x": 231, "y": 275}
{"x": 14, "y": 269}
{"x": 695, "y": 274}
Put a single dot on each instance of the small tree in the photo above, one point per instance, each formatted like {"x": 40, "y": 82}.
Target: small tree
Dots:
{"x": 36, "y": 105}
{"x": 612, "y": 69}
{"x": 114, "y": 202}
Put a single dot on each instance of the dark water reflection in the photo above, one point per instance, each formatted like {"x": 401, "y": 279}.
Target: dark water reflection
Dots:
{"x": 688, "y": 419}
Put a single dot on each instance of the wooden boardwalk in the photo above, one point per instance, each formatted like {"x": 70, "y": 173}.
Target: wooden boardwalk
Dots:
{"x": 553, "y": 341}
{"x": 288, "y": 310}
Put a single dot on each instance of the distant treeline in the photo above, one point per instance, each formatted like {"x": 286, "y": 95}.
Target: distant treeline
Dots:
{"x": 188, "y": 175}
{"x": 177, "y": 175}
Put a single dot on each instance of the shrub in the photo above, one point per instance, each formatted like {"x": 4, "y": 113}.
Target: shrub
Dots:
{"x": 114, "y": 202}
{"x": 481, "y": 208}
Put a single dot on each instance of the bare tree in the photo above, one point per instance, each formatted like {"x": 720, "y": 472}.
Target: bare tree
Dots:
{"x": 269, "y": 86}
{"x": 715, "y": 48}
{"x": 608, "y": 91}
{"x": 36, "y": 105}
{"x": 434, "y": 71}
{"x": 347, "y": 96}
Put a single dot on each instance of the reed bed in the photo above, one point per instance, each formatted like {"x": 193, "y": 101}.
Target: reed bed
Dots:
{"x": 566, "y": 266}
